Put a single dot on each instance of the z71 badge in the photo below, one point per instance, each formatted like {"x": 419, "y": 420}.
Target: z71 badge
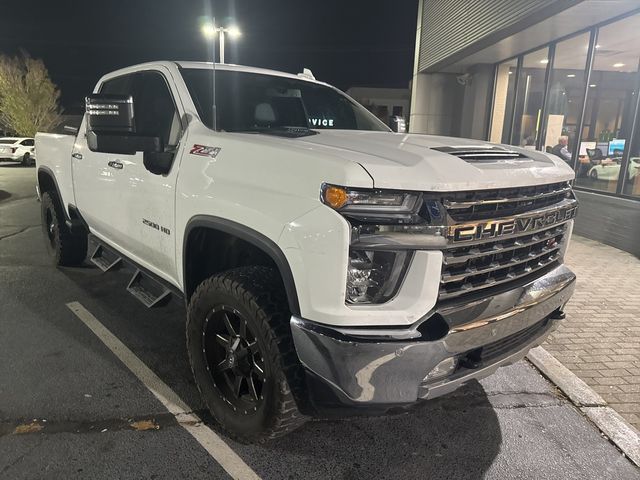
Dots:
{"x": 205, "y": 151}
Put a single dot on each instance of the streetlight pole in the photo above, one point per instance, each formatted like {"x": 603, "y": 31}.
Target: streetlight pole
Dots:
{"x": 210, "y": 31}
{"x": 221, "y": 43}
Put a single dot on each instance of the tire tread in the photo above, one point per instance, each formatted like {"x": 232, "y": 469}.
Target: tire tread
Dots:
{"x": 260, "y": 288}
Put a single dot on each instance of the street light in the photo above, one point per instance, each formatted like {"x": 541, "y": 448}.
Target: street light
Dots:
{"x": 209, "y": 30}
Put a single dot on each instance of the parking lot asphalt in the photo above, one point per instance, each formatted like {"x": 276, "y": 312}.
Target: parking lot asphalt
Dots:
{"x": 69, "y": 408}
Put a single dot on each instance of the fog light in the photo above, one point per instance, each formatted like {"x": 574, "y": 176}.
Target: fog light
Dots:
{"x": 444, "y": 368}
{"x": 374, "y": 276}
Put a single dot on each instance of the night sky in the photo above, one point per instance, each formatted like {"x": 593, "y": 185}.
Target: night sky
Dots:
{"x": 346, "y": 43}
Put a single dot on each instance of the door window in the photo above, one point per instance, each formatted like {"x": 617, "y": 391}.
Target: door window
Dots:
{"x": 154, "y": 108}
{"x": 27, "y": 143}
{"x": 117, "y": 86}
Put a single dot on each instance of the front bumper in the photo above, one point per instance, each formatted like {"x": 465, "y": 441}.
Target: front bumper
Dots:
{"x": 384, "y": 368}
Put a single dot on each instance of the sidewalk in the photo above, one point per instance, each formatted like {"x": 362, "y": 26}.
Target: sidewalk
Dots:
{"x": 600, "y": 339}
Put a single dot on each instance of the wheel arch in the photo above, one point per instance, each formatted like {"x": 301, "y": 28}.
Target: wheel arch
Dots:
{"x": 234, "y": 230}
{"x": 47, "y": 181}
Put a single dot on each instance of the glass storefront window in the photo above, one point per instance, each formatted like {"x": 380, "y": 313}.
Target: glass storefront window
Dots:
{"x": 565, "y": 98}
{"x": 603, "y": 150}
{"x": 503, "y": 101}
{"x": 632, "y": 174}
{"x": 530, "y": 97}
{"x": 611, "y": 101}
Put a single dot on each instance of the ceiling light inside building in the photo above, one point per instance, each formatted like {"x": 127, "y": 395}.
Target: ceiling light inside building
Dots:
{"x": 593, "y": 85}
{"x": 618, "y": 65}
{"x": 571, "y": 75}
{"x": 545, "y": 61}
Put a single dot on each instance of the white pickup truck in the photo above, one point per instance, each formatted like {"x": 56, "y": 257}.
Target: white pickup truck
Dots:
{"x": 328, "y": 265}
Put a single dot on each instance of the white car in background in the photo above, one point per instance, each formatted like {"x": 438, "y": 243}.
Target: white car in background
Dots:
{"x": 611, "y": 170}
{"x": 18, "y": 149}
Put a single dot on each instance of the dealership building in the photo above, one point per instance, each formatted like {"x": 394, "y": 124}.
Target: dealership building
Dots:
{"x": 537, "y": 74}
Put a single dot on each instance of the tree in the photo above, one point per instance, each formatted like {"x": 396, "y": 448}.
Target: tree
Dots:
{"x": 29, "y": 100}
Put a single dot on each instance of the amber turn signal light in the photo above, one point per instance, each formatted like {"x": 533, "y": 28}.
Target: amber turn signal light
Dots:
{"x": 335, "y": 197}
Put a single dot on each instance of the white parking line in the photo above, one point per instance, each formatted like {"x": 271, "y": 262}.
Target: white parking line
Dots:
{"x": 210, "y": 441}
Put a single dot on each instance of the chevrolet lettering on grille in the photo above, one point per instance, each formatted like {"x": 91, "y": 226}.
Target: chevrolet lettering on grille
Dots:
{"x": 499, "y": 228}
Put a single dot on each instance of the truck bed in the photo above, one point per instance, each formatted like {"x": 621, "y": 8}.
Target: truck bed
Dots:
{"x": 54, "y": 153}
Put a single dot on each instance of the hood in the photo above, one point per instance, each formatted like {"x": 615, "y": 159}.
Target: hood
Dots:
{"x": 409, "y": 161}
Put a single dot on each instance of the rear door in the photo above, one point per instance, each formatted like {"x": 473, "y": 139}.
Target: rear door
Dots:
{"x": 95, "y": 174}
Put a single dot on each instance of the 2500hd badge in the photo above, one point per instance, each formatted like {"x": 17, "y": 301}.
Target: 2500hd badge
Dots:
{"x": 160, "y": 228}
{"x": 486, "y": 230}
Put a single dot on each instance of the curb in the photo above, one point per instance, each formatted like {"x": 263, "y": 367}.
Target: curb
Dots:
{"x": 620, "y": 432}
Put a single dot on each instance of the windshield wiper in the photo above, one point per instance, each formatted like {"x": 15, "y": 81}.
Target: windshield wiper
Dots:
{"x": 288, "y": 132}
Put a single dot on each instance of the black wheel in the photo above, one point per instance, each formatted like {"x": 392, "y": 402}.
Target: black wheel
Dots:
{"x": 594, "y": 174}
{"x": 27, "y": 160}
{"x": 242, "y": 355}
{"x": 63, "y": 247}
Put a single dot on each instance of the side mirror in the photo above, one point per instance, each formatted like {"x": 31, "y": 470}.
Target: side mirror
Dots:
{"x": 158, "y": 163}
{"x": 111, "y": 126}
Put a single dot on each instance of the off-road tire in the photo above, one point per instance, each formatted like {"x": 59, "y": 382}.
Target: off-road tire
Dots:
{"x": 63, "y": 247}
{"x": 258, "y": 295}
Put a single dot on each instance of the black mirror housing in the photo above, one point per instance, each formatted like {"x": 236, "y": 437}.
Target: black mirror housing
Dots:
{"x": 122, "y": 142}
{"x": 111, "y": 126}
{"x": 158, "y": 163}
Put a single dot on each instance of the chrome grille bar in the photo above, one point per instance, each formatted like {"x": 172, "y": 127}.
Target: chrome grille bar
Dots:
{"x": 449, "y": 204}
{"x": 449, "y": 278}
{"x": 445, "y": 295}
{"x": 502, "y": 247}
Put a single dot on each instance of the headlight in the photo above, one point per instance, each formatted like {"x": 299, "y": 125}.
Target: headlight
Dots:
{"x": 373, "y": 206}
{"x": 374, "y": 276}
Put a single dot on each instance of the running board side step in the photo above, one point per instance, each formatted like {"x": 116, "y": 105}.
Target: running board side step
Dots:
{"x": 104, "y": 258}
{"x": 150, "y": 292}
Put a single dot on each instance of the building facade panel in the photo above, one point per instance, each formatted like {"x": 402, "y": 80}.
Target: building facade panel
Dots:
{"x": 451, "y": 27}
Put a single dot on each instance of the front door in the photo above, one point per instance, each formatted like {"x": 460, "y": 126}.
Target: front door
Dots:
{"x": 145, "y": 219}
{"x": 126, "y": 205}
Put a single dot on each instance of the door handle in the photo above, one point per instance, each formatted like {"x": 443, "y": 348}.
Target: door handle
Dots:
{"x": 116, "y": 165}
{"x": 77, "y": 155}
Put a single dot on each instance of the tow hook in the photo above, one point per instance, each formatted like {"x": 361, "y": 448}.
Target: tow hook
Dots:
{"x": 472, "y": 360}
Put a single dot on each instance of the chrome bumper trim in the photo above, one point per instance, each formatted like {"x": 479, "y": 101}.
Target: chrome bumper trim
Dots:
{"x": 437, "y": 389}
{"x": 371, "y": 366}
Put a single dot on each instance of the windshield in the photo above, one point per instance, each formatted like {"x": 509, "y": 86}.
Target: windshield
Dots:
{"x": 250, "y": 102}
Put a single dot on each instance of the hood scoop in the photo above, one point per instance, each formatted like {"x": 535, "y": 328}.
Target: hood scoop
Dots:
{"x": 490, "y": 153}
